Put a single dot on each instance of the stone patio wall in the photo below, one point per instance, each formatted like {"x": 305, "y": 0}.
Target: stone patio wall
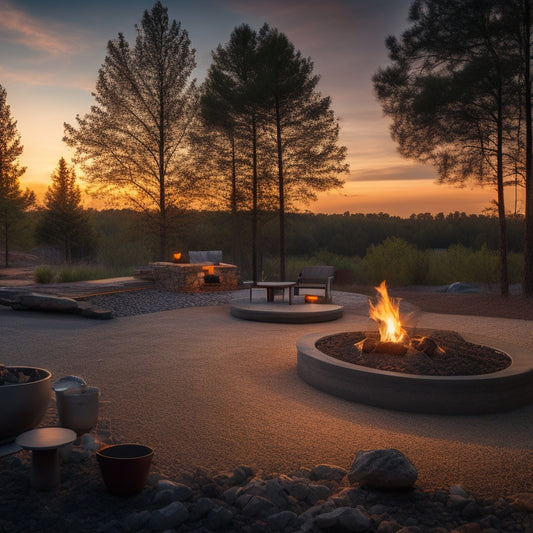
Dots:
{"x": 190, "y": 277}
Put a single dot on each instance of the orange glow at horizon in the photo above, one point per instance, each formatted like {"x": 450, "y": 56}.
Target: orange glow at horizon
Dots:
{"x": 403, "y": 197}
{"x": 394, "y": 197}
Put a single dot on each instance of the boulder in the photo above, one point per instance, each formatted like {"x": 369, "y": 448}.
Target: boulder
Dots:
{"x": 344, "y": 519}
{"x": 23, "y": 300}
{"x": 386, "y": 469}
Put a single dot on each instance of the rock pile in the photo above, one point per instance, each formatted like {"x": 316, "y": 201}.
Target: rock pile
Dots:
{"x": 24, "y": 300}
{"x": 325, "y": 498}
{"x": 13, "y": 375}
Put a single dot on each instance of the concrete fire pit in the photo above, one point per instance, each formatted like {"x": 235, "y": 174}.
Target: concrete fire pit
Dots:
{"x": 500, "y": 391}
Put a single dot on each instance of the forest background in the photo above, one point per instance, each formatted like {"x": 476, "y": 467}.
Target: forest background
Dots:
{"x": 365, "y": 248}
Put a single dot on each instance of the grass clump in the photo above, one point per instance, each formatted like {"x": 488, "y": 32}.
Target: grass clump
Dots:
{"x": 72, "y": 273}
{"x": 44, "y": 274}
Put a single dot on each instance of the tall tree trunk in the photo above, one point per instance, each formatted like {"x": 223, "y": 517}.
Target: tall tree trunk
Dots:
{"x": 504, "y": 275}
{"x": 235, "y": 234}
{"x": 163, "y": 255}
{"x": 6, "y": 241}
{"x": 254, "y": 198}
{"x": 281, "y": 192}
{"x": 527, "y": 282}
{"x": 162, "y": 223}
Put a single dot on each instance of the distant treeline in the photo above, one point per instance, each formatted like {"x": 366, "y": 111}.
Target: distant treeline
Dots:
{"x": 123, "y": 236}
{"x": 372, "y": 246}
{"x": 307, "y": 233}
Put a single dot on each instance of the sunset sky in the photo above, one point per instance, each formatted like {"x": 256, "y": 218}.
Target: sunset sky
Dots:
{"x": 50, "y": 53}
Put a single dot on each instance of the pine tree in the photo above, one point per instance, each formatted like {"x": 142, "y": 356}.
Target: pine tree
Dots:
{"x": 283, "y": 135}
{"x": 64, "y": 223}
{"x": 13, "y": 200}
{"x": 454, "y": 95}
{"x": 300, "y": 119}
{"x": 132, "y": 144}
{"x": 229, "y": 110}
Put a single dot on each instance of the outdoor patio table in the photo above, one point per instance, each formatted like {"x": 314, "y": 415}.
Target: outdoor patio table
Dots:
{"x": 272, "y": 286}
{"x": 44, "y": 444}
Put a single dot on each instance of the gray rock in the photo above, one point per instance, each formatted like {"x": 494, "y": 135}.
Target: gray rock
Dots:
{"x": 242, "y": 500}
{"x": 457, "y": 490}
{"x": 259, "y": 506}
{"x": 201, "y": 508}
{"x": 317, "y": 493}
{"x": 219, "y": 517}
{"x": 230, "y": 496}
{"x": 10, "y": 296}
{"x": 343, "y": 519}
{"x": 328, "y": 472}
{"x": 273, "y": 491}
{"x": 136, "y": 521}
{"x": 387, "y": 469}
{"x": 179, "y": 491}
{"x": 455, "y": 501}
{"x": 164, "y": 497}
{"x": 89, "y": 443}
{"x": 240, "y": 475}
{"x": 281, "y": 521}
{"x": 460, "y": 287}
{"x": 379, "y": 508}
{"x": 168, "y": 517}
{"x": 316, "y": 510}
{"x": 299, "y": 490}
{"x": 23, "y": 300}
{"x": 45, "y": 302}
{"x": 470, "y": 510}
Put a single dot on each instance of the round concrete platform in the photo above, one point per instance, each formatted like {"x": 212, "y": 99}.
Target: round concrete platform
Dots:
{"x": 284, "y": 313}
{"x": 501, "y": 391}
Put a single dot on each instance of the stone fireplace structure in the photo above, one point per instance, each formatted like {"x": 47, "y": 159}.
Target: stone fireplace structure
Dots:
{"x": 195, "y": 277}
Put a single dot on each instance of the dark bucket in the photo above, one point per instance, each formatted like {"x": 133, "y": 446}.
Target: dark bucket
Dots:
{"x": 125, "y": 467}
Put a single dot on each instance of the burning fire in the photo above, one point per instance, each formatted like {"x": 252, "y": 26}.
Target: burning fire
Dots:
{"x": 386, "y": 312}
{"x": 393, "y": 339}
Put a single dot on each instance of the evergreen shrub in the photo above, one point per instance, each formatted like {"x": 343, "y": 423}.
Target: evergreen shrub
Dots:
{"x": 396, "y": 261}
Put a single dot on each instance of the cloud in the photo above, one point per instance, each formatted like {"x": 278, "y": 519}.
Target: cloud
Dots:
{"x": 396, "y": 172}
{"x": 20, "y": 28}
{"x": 28, "y": 77}
{"x": 45, "y": 78}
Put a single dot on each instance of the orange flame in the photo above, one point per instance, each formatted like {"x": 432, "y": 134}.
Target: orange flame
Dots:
{"x": 386, "y": 312}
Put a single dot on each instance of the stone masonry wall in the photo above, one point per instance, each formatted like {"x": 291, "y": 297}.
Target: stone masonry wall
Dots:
{"x": 190, "y": 277}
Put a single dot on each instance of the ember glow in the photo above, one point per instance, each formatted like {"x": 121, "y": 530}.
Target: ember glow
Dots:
{"x": 386, "y": 312}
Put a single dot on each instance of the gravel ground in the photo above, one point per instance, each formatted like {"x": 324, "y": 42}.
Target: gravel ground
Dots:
{"x": 82, "y": 504}
{"x": 414, "y": 300}
{"x": 129, "y": 303}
